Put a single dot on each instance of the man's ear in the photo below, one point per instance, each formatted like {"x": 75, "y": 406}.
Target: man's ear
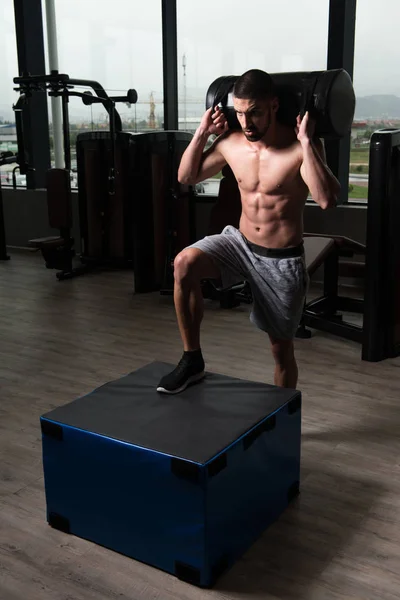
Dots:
{"x": 275, "y": 104}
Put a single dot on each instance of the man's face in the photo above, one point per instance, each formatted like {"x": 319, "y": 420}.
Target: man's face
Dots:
{"x": 254, "y": 116}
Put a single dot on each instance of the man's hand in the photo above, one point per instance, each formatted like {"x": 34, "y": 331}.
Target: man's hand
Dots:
{"x": 305, "y": 128}
{"x": 197, "y": 164}
{"x": 213, "y": 123}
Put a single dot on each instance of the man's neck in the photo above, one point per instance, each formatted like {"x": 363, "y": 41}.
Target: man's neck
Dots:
{"x": 269, "y": 140}
{"x": 276, "y": 137}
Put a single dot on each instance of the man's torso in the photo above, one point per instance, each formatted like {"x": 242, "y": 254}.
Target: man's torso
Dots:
{"x": 272, "y": 190}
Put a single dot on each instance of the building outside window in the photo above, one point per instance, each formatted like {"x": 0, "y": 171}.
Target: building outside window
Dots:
{"x": 8, "y": 70}
{"x": 376, "y": 84}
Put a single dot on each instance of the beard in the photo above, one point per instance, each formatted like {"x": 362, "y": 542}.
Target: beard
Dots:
{"x": 254, "y": 135}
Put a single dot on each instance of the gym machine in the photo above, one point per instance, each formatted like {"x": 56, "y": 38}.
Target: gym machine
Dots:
{"x": 326, "y": 312}
{"x": 378, "y": 309}
{"x": 152, "y": 214}
{"x": 379, "y": 333}
{"x": 133, "y": 213}
{"x": 22, "y": 164}
{"x": 58, "y": 251}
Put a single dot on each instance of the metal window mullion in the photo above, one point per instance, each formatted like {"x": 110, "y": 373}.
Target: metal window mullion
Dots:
{"x": 341, "y": 34}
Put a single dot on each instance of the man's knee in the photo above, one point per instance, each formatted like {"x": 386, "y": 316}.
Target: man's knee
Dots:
{"x": 282, "y": 351}
{"x": 183, "y": 264}
{"x": 187, "y": 264}
{"x": 192, "y": 264}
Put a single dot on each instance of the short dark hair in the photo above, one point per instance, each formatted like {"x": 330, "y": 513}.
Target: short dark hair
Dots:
{"x": 254, "y": 85}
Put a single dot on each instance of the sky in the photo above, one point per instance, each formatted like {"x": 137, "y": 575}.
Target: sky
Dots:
{"x": 120, "y": 45}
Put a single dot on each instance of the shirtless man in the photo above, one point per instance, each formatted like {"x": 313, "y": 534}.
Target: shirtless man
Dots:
{"x": 275, "y": 167}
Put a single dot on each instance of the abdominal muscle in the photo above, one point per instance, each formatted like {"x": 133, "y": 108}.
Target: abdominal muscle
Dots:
{"x": 272, "y": 221}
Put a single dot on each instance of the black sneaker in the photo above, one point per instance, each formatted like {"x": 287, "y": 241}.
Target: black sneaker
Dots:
{"x": 188, "y": 371}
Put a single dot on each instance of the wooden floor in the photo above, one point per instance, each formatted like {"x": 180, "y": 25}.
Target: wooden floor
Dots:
{"x": 339, "y": 540}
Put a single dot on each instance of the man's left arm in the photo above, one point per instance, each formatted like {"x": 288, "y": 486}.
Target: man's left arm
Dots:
{"x": 322, "y": 184}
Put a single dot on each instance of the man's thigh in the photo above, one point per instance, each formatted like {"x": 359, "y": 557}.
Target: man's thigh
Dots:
{"x": 228, "y": 253}
{"x": 279, "y": 289}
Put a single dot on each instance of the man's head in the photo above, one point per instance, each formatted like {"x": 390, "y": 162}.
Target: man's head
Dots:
{"x": 255, "y": 103}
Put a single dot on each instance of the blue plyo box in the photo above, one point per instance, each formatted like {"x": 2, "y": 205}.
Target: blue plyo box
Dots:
{"x": 184, "y": 483}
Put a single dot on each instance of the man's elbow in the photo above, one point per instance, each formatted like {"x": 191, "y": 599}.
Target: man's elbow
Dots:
{"x": 186, "y": 179}
{"x": 329, "y": 201}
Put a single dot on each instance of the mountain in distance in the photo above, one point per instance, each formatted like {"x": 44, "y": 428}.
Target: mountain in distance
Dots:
{"x": 377, "y": 107}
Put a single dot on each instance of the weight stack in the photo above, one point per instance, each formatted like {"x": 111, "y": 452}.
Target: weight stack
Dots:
{"x": 131, "y": 227}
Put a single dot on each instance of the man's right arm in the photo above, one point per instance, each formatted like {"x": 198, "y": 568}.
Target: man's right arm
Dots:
{"x": 197, "y": 164}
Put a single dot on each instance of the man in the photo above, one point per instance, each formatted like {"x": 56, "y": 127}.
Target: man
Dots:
{"x": 275, "y": 167}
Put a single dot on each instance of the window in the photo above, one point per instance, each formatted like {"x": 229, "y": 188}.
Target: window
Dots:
{"x": 120, "y": 46}
{"x": 216, "y": 39}
{"x": 8, "y": 70}
{"x": 376, "y": 85}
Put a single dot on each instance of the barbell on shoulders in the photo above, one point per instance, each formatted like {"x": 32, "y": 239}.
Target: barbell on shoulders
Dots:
{"x": 327, "y": 95}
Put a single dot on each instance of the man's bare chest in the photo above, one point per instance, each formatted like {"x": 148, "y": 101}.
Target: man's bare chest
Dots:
{"x": 267, "y": 173}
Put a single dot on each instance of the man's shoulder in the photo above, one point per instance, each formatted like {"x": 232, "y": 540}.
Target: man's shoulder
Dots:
{"x": 226, "y": 140}
{"x": 229, "y": 135}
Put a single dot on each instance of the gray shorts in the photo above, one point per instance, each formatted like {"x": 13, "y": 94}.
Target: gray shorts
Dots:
{"x": 278, "y": 283}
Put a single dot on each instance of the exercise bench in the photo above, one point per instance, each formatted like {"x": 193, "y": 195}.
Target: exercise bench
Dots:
{"x": 324, "y": 312}
{"x": 58, "y": 250}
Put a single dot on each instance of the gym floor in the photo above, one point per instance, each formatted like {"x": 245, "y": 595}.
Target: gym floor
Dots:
{"x": 60, "y": 340}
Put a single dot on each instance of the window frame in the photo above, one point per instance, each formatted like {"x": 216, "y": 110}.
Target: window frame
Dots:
{"x": 31, "y": 58}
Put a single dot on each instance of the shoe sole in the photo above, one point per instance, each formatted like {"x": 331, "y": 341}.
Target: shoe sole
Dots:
{"x": 190, "y": 380}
